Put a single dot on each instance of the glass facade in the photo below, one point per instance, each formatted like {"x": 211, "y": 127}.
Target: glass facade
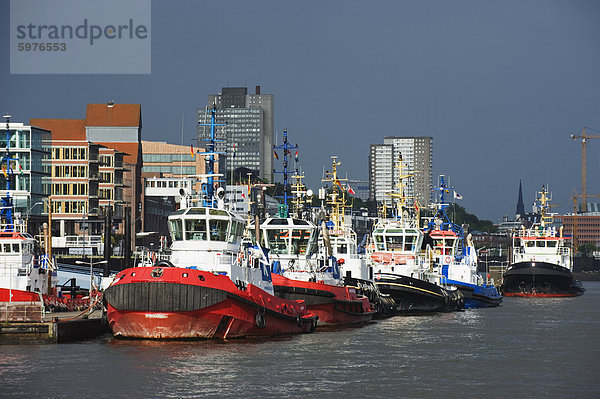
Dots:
{"x": 26, "y": 170}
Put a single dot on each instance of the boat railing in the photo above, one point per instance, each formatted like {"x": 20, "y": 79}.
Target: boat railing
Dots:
{"x": 14, "y": 227}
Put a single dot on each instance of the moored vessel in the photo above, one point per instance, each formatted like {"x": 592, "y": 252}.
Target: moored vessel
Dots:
{"x": 403, "y": 265}
{"x": 339, "y": 237}
{"x": 541, "y": 263}
{"x": 455, "y": 257}
{"x": 210, "y": 286}
{"x": 302, "y": 269}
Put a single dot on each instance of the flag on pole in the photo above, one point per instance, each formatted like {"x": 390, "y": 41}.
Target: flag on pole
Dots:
{"x": 350, "y": 191}
{"x": 339, "y": 185}
{"x": 457, "y": 196}
{"x": 233, "y": 150}
{"x": 275, "y": 154}
{"x": 192, "y": 150}
{"x": 296, "y": 156}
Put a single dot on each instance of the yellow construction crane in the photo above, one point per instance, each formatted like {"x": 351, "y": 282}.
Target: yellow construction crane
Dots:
{"x": 584, "y": 138}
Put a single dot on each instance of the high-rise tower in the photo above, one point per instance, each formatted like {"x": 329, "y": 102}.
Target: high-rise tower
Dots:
{"x": 247, "y": 140}
{"x": 416, "y": 155}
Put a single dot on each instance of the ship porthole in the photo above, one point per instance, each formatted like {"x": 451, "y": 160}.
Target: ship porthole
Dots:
{"x": 184, "y": 274}
{"x": 201, "y": 277}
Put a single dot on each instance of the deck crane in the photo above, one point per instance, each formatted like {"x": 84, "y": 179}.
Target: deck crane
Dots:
{"x": 584, "y": 139}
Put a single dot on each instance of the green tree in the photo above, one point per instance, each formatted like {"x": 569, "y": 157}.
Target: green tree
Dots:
{"x": 460, "y": 216}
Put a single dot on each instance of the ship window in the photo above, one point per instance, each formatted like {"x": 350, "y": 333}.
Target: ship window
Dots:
{"x": 15, "y": 248}
{"x": 218, "y": 212}
{"x": 540, "y": 244}
{"x": 218, "y": 229}
{"x": 551, "y": 244}
{"x": 197, "y": 211}
{"x": 394, "y": 243}
{"x": 529, "y": 244}
{"x": 195, "y": 229}
{"x": 342, "y": 249}
{"x": 6, "y": 248}
{"x": 237, "y": 230}
{"x": 278, "y": 221}
{"x": 176, "y": 229}
{"x": 409, "y": 243}
{"x": 277, "y": 241}
{"x": 300, "y": 239}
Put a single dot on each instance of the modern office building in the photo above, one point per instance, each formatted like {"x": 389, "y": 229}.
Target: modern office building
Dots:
{"x": 381, "y": 172}
{"x": 96, "y": 170}
{"x": 27, "y": 179}
{"x": 417, "y": 159}
{"x": 247, "y": 140}
{"x": 417, "y": 156}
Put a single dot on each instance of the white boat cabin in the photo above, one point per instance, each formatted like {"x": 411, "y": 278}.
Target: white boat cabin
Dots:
{"x": 205, "y": 238}
{"x": 541, "y": 245}
{"x": 21, "y": 266}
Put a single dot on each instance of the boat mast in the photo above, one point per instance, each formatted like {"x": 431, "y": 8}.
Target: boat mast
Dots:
{"x": 208, "y": 188}
{"x": 7, "y": 200}
{"x": 398, "y": 197}
{"x": 286, "y": 147}
{"x": 337, "y": 199}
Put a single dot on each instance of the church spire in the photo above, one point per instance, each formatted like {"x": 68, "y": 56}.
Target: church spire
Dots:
{"x": 520, "y": 205}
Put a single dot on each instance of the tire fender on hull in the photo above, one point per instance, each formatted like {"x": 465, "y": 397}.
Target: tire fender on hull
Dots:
{"x": 261, "y": 322}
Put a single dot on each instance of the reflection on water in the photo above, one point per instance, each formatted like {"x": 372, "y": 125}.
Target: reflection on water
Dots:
{"x": 528, "y": 347}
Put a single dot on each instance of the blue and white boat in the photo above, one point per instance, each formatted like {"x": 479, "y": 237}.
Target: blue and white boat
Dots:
{"x": 455, "y": 258}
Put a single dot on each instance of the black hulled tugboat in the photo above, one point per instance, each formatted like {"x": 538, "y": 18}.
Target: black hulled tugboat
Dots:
{"x": 403, "y": 267}
{"x": 541, "y": 260}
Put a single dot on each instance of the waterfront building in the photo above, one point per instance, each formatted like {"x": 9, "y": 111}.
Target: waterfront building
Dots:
{"x": 96, "y": 171}
{"x": 584, "y": 228}
{"x": 247, "y": 140}
{"x": 29, "y": 186}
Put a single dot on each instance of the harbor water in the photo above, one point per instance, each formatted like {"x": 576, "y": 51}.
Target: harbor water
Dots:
{"x": 530, "y": 348}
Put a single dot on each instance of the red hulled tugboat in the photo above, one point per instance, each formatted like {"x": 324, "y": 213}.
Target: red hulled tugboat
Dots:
{"x": 302, "y": 271}
{"x": 210, "y": 287}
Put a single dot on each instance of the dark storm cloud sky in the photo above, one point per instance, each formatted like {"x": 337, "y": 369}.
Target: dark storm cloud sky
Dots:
{"x": 499, "y": 85}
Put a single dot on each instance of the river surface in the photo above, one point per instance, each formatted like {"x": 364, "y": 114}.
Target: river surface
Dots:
{"x": 527, "y": 348}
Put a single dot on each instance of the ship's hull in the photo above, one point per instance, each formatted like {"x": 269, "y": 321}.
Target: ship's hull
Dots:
{"x": 383, "y": 304}
{"x": 200, "y": 305}
{"x": 334, "y": 305}
{"x": 477, "y": 296}
{"x": 412, "y": 295}
{"x": 539, "y": 279}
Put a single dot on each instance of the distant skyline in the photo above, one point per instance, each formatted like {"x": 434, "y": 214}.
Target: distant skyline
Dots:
{"x": 499, "y": 86}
